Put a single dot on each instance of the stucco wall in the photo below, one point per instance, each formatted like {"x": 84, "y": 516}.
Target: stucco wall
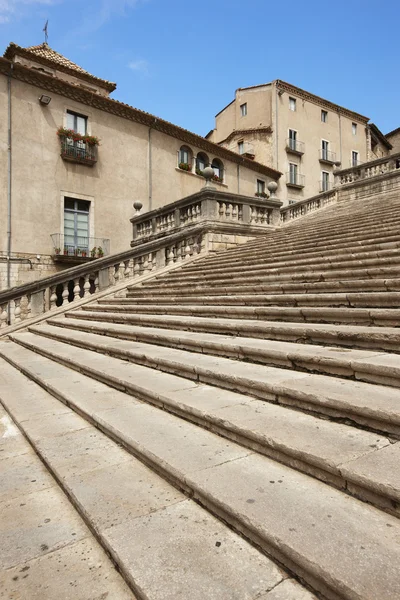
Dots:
{"x": 395, "y": 141}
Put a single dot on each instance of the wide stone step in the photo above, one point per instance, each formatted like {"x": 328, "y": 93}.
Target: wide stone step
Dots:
{"x": 46, "y": 549}
{"x": 372, "y": 338}
{"x": 148, "y": 526}
{"x": 388, "y": 317}
{"x": 273, "y": 269}
{"x": 159, "y": 287}
{"x": 278, "y": 261}
{"x": 356, "y": 364}
{"x": 373, "y": 406}
{"x": 298, "y": 275}
{"x": 351, "y": 299}
{"x": 332, "y": 541}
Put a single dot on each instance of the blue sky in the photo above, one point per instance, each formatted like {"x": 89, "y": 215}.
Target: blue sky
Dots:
{"x": 182, "y": 60}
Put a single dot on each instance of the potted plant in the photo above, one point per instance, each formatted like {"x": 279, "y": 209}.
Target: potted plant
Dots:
{"x": 199, "y": 172}
{"x": 185, "y": 166}
{"x": 57, "y": 250}
{"x": 65, "y": 251}
{"x": 217, "y": 178}
{"x": 261, "y": 194}
{"x": 93, "y": 252}
{"x": 84, "y": 253}
{"x": 100, "y": 252}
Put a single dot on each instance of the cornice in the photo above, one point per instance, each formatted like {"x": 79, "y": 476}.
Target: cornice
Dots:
{"x": 288, "y": 87}
{"x": 381, "y": 137}
{"x": 394, "y": 132}
{"x": 125, "y": 111}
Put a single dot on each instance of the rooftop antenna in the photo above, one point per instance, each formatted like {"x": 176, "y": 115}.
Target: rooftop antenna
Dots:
{"x": 46, "y": 35}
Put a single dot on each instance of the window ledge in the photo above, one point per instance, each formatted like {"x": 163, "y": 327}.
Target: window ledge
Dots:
{"x": 200, "y": 177}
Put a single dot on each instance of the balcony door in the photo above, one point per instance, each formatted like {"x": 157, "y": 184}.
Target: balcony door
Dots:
{"x": 293, "y": 172}
{"x": 77, "y": 123}
{"x": 292, "y": 139}
{"x": 76, "y": 226}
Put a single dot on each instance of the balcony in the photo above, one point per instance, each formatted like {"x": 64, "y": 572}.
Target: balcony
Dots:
{"x": 76, "y": 249}
{"x": 294, "y": 146}
{"x": 295, "y": 180}
{"x": 78, "y": 148}
{"x": 327, "y": 157}
{"x": 247, "y": 150}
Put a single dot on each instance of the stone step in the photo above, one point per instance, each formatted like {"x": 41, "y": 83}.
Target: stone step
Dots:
{"x": 334, "y": 456}
{"x": 288, "y": 267}
{"x": 334, "y": 542}
{"x": 306, "y": 259}
{"x": 373, "y": 406}
{"x": 388, "y": 317}
{"x": 159, "y": 287}
{"x": 382, "y": 272}
{"x": 372, "y": 338}
{"x": 362, "y": 365}
{"x": 333, "y": 299}
{"x": 147, "y": 525}
{"x": 46, "y": 549}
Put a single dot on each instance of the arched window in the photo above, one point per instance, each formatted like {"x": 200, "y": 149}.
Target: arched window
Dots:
{"x": 201, "y": 163}
{"x": 218, "y": 168}
{"x": 185, "y": 156}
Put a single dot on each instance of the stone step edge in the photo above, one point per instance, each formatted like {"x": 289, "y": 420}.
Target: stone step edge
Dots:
{"x": 243, "y": 328}
{"x": 302, "y": 314}
{"x": 343, "y": 367}
{"x": 239, "y": 524}
{"x": 376, "y": 422}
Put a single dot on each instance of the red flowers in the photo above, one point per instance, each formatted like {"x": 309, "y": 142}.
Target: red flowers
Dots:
{"x": 91, "y": 140}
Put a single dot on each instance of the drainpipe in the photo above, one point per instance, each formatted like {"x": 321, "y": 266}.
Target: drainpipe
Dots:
{"x": 9, "y": 179}
{"x": 340, "y": 140}
{"x": 150, "y": 159}
{"x": 276, "y": 128}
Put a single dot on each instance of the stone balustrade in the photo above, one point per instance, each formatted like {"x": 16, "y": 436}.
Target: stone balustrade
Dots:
{"x": 220, "y": 211}
{"x": 304, "y": 207}
{"x": 368, "y": 170}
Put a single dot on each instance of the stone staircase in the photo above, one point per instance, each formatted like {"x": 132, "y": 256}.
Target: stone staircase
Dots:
{"x": 230, "y": 429}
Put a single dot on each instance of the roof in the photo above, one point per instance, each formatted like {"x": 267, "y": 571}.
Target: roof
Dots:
{"x": 120, "y": 109}
{"x": 47, "y": 56}
{"x": 394, "y": 132}
{"x": 236, "y": 132}
{"x": 381, "y": 137}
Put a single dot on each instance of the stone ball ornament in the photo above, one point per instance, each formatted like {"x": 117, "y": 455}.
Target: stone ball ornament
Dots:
{"x": 208, "y": 173}
{"x": 272, "y": 187}
{"x": 137, "y": 206}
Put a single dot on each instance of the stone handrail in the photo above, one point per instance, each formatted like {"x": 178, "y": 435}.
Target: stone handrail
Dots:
{"x": 373, "y": 168}
{"x": 304, "y": 207}
{"x": 202, "y": 223}
{"x": 231, "y": 211}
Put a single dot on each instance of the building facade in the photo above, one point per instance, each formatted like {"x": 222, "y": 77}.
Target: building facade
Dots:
{"x": 300, "y": 134}
{"x": 73, "y": 160}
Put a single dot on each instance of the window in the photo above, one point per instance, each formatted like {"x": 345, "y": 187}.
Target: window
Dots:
{"x": 76, "y": 226}
{"x": 218, "y": 169}
{"x": 354, "y": 128}
{"x": 292, "y": 139}
{"x": 185, "y": 158}
{"x": 76, "y": 122}
{"x": 241, "y": 147}
{"x": 201, "y": 162}
{"x": 325, "y": 181}
{"x": 243, "y": 109}
{"x": 260, "y": 187}
{"x": 324, "y": 116}
{"x": 292, "y": 103}
{"x": 325, "y": 150}
{"x": 293, "y": 172}
{"x": 354, "y": 158}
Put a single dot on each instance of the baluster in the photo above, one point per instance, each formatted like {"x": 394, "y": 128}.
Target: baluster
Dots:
{"x": 150, "y": 262}
{"x": 170, "y": 255}
{"x": 127, "y": 269}
{"x": 234, "y": 211}
{"x": 77, "y": 289}
{"x": 86, "y": 287}
{"x": 187, "y": 250}
{"x": 96, "y": 282}
{"x": 65, "y": 294}
{"x": 136, "y": 267}
{"x": 228, "y": 210}
{"x": 179, "y": 252}
{"x": 145, "y": 265}
{"x": 3, "y": 315}
{"x": 53, "y": 297}
{"x": 117, "y": 274}
{"x": 220, "y": 210}
{"x": 28, "y": 306}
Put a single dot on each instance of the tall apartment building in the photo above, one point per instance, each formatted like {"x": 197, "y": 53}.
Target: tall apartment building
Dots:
{"x": 300, "y": 134}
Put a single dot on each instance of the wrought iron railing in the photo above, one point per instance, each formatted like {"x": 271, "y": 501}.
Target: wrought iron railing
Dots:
{"x": 80, "y": 152}
{"x": 79, "y": 246}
